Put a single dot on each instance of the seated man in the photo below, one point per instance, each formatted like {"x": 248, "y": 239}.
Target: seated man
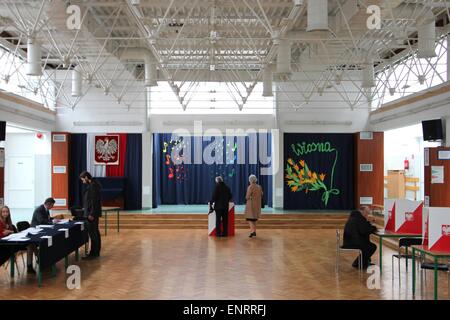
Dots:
{"x": 357, "y": 233}
{"x": 41, "y": 214}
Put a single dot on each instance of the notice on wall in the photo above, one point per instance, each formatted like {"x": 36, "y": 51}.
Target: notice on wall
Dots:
{"x": 426, "y": 201}
{"x": 437, "y": 174}
{"x": 2, "y": 158}
{"x": 426, "y": 156}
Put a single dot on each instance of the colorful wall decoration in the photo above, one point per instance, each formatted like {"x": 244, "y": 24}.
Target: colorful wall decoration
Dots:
{"x": 318, "y": 171}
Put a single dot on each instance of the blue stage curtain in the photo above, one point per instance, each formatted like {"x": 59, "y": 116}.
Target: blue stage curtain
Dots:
{"x": 133, "y": 171}
{"x": 78, "y": 150}
{"x": 194, "y": 183}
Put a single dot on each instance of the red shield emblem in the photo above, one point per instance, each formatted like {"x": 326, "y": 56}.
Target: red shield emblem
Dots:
{"x": 107, "y": 150}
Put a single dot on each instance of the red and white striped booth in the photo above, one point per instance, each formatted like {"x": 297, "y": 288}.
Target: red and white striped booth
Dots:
{"x": 212, "y": 221}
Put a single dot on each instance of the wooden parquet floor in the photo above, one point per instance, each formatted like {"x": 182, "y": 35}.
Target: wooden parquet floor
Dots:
{"x": 187, "y": 264}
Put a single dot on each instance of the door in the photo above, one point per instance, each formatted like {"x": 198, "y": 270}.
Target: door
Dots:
{"x": 20, "y": 184}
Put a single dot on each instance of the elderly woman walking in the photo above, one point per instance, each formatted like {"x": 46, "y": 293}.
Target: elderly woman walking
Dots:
{"x": 253, "y": 204}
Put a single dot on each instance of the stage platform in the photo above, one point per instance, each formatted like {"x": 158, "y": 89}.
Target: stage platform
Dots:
{"x": 195, "y": 217}
{"x": 203, "y": 209}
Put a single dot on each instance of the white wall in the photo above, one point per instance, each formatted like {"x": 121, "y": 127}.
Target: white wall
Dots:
{"x": 29, "y": 183}
{"x": 406, "y": 143}
{"x": 14, "y": 112}
{"x": 413, "y": 113}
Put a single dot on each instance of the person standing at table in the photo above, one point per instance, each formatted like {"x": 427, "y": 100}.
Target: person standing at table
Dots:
{"x": 41, "y": 214}
{"x": 92, "y": 205}
{"x": 219, "y": 203}
{"x": 357, "y": 233}
{"x": 253, "y": 204}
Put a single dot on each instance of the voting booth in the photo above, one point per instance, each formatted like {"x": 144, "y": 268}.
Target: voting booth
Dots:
{"x": 212, "y": 221}
{"x": 436, "y": 233}
{"x": 403, "y": 216}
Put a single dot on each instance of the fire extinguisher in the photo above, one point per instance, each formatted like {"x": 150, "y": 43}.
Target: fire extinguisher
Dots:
{"x": 406, "y": 164}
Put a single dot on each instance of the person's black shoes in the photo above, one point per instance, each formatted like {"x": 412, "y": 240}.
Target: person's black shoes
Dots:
{"x": 30, "y": 270}
{"x": 253, "y": 234}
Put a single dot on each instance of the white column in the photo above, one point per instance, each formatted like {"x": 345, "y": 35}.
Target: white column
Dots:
{"x": 447, "y": 130}
{"x": 448, "y": 57}
{"x": 277, "y": 158}
{"x": 147, "y": 168}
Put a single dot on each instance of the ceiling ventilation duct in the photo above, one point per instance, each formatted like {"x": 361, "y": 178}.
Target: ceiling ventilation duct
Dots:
{"x": 426, "y": 26}
{"x": 34, "y": 67}
{"x": 426, "y": 40}
{"x": 77, "y": 82}
{"x": 144, "y": 54}
{"x": 267, "y": 82}
{"x": 368, "y": 75}
{"x": 317, "y": 15}
{"x": 284, "y": 57}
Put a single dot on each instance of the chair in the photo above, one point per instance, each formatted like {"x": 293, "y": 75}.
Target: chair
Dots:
{"x": 424, "y": 266}
{"x": 339, "y": 248}
{"x": 404, "y": 243}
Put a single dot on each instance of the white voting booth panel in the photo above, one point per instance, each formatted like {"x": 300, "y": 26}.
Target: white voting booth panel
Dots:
{"x": 436, "y": 235}
{"x": 403, "y": 216}
{"x": 212, "y": 221}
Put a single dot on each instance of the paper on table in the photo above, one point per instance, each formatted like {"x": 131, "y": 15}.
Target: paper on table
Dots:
{"x": 16, "y": 236}
{"x": 34, "y": 230}
{"x": 45, "y": 226}
{"x": 49, "y": 240}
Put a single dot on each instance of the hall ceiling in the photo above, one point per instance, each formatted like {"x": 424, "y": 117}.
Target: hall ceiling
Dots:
{"x": 209, "y": 40}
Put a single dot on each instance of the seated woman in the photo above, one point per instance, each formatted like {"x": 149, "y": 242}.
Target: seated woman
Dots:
{"x": 6, "y": 228}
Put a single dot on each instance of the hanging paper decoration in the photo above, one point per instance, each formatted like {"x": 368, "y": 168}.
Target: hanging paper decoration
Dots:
{"x": 106, "y": 150}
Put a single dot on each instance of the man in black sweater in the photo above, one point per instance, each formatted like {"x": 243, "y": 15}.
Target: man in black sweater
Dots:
{"x": 219, "y": 203}
{"x": 357, "y": 233}
{"x": 92, "y": 205}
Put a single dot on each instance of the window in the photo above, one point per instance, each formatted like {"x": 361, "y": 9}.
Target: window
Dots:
{"x": 210, "y": 98}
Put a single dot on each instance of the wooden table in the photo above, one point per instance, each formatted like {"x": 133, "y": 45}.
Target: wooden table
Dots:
{"x": 435, "y": 255}
{"x": 389, "y": 234}
{"x": 105, "y": 211}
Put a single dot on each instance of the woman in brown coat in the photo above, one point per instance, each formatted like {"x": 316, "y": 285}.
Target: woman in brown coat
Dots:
{"x": 253, "y": 204}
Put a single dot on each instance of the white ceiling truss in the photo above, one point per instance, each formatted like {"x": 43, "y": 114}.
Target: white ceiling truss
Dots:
{"x": 193, "y": 41}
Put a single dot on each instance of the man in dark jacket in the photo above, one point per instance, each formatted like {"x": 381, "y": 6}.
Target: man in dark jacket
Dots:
{"x": 41, "y": 214}
{"x": 92, "y": 205}
{"x": 357, "y": 233}
{"x": 219, "y": 203}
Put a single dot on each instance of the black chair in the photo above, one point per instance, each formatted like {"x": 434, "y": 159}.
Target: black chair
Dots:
{"x": 404, "y": 243}
{"x": 77, "y": 213}
{"x": 23, "y": 225}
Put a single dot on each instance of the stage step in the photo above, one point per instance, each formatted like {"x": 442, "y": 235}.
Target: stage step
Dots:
{"x": 200, "y": 221}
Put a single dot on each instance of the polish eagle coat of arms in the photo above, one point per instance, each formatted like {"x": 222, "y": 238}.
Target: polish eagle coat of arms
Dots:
{"x": 107, "y": 150}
